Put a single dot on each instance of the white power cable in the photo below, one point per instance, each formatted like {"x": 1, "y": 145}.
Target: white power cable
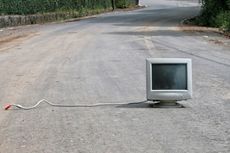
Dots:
{"x": 62, "y": 105}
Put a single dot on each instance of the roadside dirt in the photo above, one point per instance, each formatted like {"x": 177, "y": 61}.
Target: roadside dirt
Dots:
{"x": 213, "y": 35}
{"x": 9, "y": 37}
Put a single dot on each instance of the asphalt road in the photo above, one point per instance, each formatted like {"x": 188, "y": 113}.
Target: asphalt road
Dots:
{"x": 102, "y": 60}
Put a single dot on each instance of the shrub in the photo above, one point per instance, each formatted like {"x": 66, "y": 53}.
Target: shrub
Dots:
{"x": 24, "y": 7}
{"x": 223, "y": 20}
{"x": 42, "y": 6}
{"x": 125, "y": 3}
{"x": 215, "y": 13}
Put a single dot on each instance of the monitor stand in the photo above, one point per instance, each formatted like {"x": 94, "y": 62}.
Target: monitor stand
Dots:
{"x": 167, "y": 104}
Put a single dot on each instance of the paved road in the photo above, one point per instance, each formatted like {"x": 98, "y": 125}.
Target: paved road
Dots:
{"x": 103, "y": 60}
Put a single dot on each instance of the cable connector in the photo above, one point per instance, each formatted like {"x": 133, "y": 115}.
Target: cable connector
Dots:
{"x": 7, "y": 107}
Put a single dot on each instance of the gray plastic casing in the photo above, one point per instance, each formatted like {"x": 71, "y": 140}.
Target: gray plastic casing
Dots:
{"x": 168, "y": 95}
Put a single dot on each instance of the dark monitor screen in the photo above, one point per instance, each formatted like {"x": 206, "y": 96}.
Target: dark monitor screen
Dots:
{"x": 169, "y": 76}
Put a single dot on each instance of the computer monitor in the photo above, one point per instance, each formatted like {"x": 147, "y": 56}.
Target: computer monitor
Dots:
{"x": 168, "y": 79}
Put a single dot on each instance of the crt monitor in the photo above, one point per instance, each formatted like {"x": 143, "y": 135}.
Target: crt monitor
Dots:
{"x": 168, "y": 79}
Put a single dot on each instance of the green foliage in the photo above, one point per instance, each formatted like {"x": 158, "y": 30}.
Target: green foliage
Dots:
{"x": 24, "y": 7}
{"x": 42, "y": 6}
{"x": 125, "y": 3}
{"x": 215, "y": 13}
{"x": 223, "y": 20}
{"x": 41, "y": 11}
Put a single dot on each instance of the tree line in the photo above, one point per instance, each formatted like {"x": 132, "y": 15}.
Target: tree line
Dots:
{"x": 25, "y": 7}
{"x": 215, "y": 13}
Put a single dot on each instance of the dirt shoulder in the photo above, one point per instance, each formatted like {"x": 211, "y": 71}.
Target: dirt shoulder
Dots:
{"x": 213, "y": 35}
{"x": 9, "y": 37}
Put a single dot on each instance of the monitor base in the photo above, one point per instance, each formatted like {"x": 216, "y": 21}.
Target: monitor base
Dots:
{"x": 167, "y": 104}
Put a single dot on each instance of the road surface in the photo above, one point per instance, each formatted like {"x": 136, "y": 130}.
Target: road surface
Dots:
{"x": 102, "y": 60}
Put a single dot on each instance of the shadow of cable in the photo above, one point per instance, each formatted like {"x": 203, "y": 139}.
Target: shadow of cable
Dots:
{"x": 141, "y": 104}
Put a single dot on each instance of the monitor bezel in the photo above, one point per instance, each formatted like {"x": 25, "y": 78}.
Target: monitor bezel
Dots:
{"x": 168, "y": 94}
